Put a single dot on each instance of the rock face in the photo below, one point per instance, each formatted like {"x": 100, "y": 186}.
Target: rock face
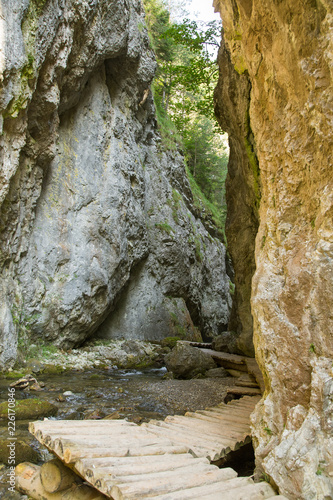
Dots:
{"x": 97, "y": 223}
{"x": 285, "y": 50}
{"x": 232, "y": 102}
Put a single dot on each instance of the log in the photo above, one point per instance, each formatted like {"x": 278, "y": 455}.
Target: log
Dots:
{"x": 147, "y": 488}
{"x": 231, "y": 361}
{"x": 133, "y": 460}
{"x": 72, "y": 455}
{"x": 241, "y": 391}
{"x": 55, "y": 476}
{"x": 209, "y": 434}
{"x": 128, "y": 469}
{"x": 187, "y": 437}
{"x": 219, "y": 427}
{"x": 206, "y": 418}
{"x": 80, "y": 426}
{"x": 28, "y": 481}
{"x": 51, "y": 439}
{"x": 218, "y": 489}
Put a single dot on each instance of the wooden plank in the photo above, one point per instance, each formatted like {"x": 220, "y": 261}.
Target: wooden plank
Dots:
{"x": 239, "y": 416}
{"x": 205, "y": 418}
{"x": 188, "y": 438}
{"x": 63, "y": 447}
{"x": 243, "y": 391}
{"x": 253, "y": 369}
{"x": 126, "y": 469}
{"x": 76, "y": 454}
{"x": 52, "y": 440}
{"x": 217, "y": 489}
{"x": 225, "y": 356}
{"x": 244, "y": 401}
{"x": 232, "y": 361}
{"x": 144, "y": 489}
{"x": 244, "y": 383}
{"x": 205, "y": 345}
{"x": 209, "y": 433}
{"x": 134, "y": 460}
{"x": 77, "y": 424}
{"x": 218, "y": 415}
{"x": 253, "y": 491}
{"x": 221, "y": 423}
{"x": 106, "y": 483}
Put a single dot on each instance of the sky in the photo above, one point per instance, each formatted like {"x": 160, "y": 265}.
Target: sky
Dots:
{"x": 204, "y": 10}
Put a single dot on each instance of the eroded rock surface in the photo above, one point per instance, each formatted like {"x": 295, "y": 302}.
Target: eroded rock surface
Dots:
{"x": 97, "y": 223}
{"x": 285, "y": 48}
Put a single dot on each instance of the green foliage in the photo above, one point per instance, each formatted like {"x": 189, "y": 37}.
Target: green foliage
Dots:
{"x": 183, "y": 93}
{"x": 321, "y": 467}
{"x": 164, "y": 227}
{"x": 207, "y": 160}
{"x": 312, "y": 348}
{"x": 198, "y": 253}
{"x": 31, "y": 347}
{"x": 174, "y": 203}
{"x": 268, "y": 430}
{"x": 170, "y": 341}
{"x": 171, "y": 139}
{"x": 41, "y": 350}
{"x": 208, "y": 211}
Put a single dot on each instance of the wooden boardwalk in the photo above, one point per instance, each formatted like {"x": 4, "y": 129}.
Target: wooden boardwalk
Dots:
{"x": 165, "y": 460}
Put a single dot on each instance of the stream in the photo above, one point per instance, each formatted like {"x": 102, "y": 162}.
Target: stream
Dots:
{"x": 136, "y": 395}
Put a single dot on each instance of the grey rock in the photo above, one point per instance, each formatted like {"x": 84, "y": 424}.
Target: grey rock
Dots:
{"x": 188, "y": 362}
{"x": 226, "y": 342}
{"x": 217, "y": 373}
{"x": 98, "y": 233}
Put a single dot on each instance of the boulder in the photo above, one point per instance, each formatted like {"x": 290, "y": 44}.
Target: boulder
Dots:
{"x": 26, "y": 409}
{"x": 23, "y": 452}
{"x": 187, "y": 362}
{"x": 217, "y": 373}
{"x": 226, "y": 342}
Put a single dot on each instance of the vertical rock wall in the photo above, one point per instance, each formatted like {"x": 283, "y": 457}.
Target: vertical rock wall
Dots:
{"x": 97, "y": 223}
{"x": 232, "y": 102}
{"x": 285, "y": 48}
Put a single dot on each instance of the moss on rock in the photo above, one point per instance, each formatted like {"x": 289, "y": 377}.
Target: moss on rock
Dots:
{"x": 26, "y": 409}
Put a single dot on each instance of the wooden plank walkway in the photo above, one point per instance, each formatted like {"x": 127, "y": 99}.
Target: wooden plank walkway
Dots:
{"x": 165, "y": 460}
{"x": 210, "y": 433}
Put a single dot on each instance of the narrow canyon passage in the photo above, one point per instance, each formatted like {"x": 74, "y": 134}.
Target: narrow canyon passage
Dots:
{"x": 103, "y": 230}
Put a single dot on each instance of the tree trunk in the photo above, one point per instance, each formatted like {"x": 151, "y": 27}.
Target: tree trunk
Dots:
{"x": 28, "y": 481}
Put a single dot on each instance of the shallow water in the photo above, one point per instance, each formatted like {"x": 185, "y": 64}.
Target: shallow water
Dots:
{"x": 91, "y": 394}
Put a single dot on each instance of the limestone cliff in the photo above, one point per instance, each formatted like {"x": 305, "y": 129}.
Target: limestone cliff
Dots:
{"x": 232, "y": 102}
{"x": 285, "y": 50}
{"x": 97, "y": 227}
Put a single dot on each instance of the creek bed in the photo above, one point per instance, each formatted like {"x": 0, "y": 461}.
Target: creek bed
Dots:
{"x": 132, "y": 394}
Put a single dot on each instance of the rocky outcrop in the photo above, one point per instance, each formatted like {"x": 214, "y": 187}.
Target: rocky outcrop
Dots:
{"x": 232, "y": 102}
{"x": 285, "y": 49}
{"x": 97, "y": 224}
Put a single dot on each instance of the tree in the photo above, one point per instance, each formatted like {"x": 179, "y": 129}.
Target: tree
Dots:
{"x": 183, "y": 92}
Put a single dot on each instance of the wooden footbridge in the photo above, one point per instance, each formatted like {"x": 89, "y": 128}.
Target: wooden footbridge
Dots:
{"x": 165, "y": 460}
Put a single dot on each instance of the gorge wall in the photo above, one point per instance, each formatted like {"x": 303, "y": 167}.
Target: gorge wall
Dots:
{"x": 278, "y": 59}
{"x": 98, "y": 230}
